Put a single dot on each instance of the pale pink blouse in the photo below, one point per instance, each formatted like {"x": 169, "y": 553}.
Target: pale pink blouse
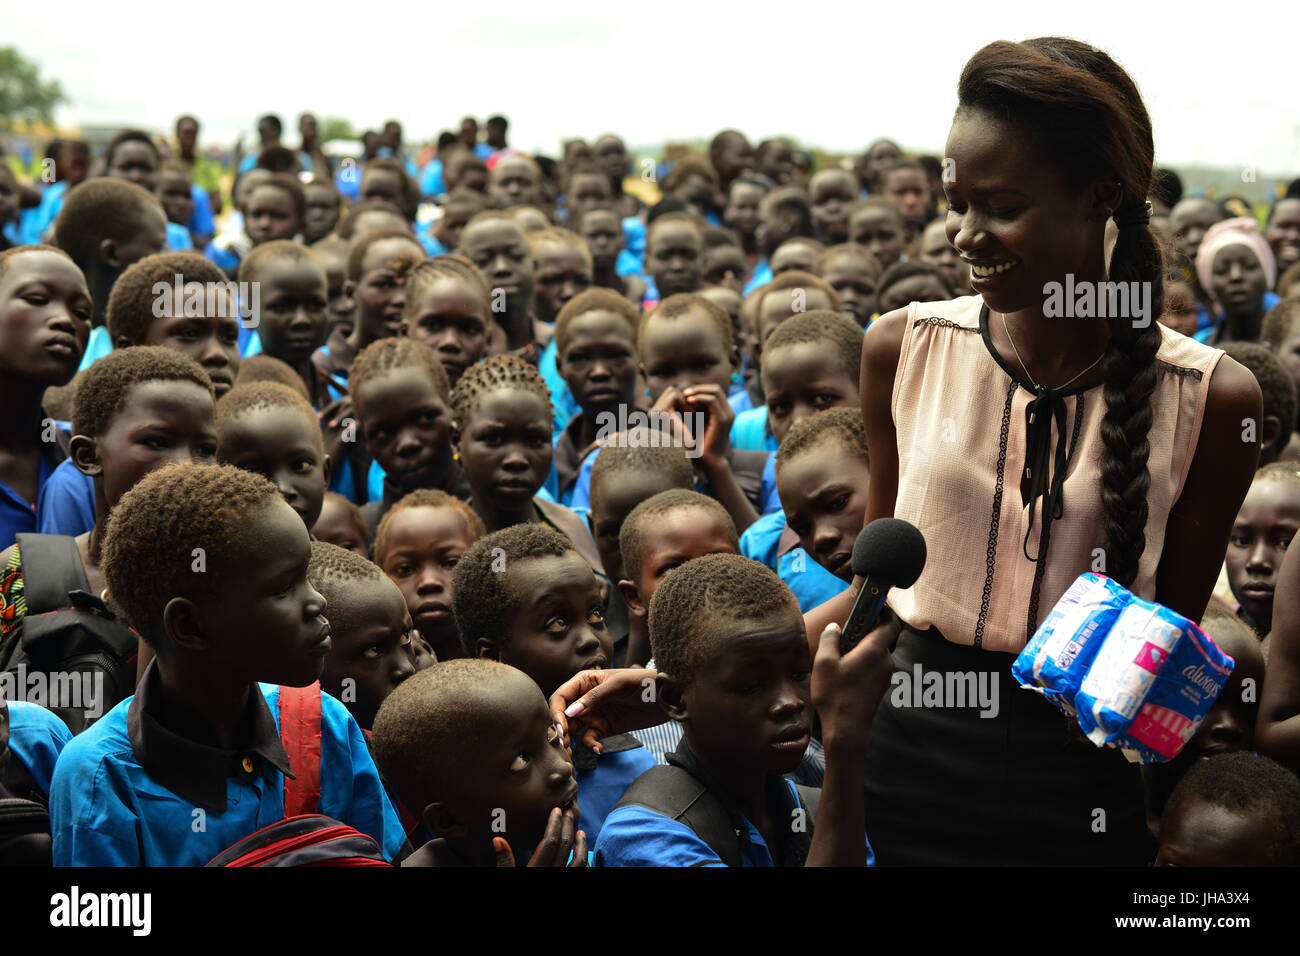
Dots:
{"x": 961, "y": 421}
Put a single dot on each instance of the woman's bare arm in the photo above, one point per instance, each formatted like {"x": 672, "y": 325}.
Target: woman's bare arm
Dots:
{"x": 1196, "y": 534}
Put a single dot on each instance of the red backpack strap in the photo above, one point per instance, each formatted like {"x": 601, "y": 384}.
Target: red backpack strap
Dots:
{"x": 300, "y": 732}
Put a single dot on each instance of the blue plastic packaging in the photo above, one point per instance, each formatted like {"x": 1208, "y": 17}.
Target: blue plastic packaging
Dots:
{"x": 1134, "y": 674}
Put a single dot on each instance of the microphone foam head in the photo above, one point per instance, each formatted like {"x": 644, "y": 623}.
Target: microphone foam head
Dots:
{"x": 890, "y": 549}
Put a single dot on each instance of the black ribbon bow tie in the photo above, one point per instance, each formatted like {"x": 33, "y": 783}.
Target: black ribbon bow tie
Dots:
{"x": 1047, "y": 406}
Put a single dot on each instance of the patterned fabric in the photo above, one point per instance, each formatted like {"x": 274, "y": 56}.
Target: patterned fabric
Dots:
{"x": 13, "y": 605}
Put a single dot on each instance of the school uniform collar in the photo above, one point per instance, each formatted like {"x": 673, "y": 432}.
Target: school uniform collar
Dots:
{"x": 567, "y": 522}
{"x": 568, "y": 456}
{"x": 787, "y": 542}
{"x": 193, "y": 771}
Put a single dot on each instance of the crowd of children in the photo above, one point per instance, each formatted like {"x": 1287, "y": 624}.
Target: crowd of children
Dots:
{"x": 502, "y": 509}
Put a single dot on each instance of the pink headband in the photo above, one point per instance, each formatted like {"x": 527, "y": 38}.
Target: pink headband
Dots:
{"x": 1242, "y": 231}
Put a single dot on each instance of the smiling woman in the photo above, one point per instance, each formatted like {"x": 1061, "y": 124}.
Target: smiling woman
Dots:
{"x": 1028, "y": 448}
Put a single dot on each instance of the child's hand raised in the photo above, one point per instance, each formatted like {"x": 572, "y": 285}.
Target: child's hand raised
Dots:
{"x": 561, "y": 841}
{"x": 672, "y": 404}
{"x": 715, "y": 443}
{"x": 847, "y": 690}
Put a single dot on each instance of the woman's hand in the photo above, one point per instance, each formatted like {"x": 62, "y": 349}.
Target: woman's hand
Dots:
{"x": 605, "y": 702}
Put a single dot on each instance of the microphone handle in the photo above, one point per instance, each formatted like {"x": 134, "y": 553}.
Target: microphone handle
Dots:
{"x": 865, "y": 613}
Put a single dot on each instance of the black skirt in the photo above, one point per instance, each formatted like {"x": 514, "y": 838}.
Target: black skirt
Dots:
{"x": 946, "y": 786}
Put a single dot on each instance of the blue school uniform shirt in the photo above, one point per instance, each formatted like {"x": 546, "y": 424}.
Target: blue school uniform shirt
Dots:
{"x": 36, "y": 738}
{"x": 348, "y": 180}
{"x": 178, "y": 238}
{"x": 98, "y": 345}
{"x": 760, "y": 540}
{"x": 562, "y": 401}
{"x": 627, "y": 264}
{"x": 202, "y": 222}
{"x": 634, "y": 241}
{"x": 432, "y": 184}
{"x": 750, "y": 431}
{"x": 106, "y": 810}
{"x": 433, "y": 246}
{"x": 603, "y": 785}
{"x": 250, "y": 343}
{"x": 638, "y": 836}
{"x": 1205, "y": 331}
{"x": 17, "y": 515}
{"x": 67, "y": 502}
{"x": 40, "y": 218}
{"x": 224, "y": 259}
{"x": 762, "y": 275}
{"x": 739, "y": 399}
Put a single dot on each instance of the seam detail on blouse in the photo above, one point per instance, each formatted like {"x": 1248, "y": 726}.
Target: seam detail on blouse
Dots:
{"x": 942, "y": 323}
{"x": 990, "y": 555}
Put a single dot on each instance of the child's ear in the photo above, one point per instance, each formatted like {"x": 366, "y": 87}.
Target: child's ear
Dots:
{"x": 181, "y": 624}
{"x": 108, "y": 252}
{"x": 84, "y": 452}
{"x": 488, "y": 648}
{"x": 632, "y": 598}
{"x": 1270, "y": 432}
{"x": 671, "y": 698}
{"x": 442, "y": 822}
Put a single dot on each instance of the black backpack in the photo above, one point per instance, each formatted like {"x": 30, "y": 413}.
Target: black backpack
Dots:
{"x": 68, "y": 632}
{"x": 679, "y": 791}
{"x": 24, "y": 833}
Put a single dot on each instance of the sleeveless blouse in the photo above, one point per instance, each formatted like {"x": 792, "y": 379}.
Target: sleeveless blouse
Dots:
{"x": 963, "y": 430}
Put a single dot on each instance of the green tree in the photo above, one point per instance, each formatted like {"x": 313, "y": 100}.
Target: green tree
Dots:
{"x": 22, "y": 94}
{"x": 334, "y": 128}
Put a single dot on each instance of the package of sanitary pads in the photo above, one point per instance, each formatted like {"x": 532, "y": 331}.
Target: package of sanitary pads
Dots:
{"x": 1135, "y": 674}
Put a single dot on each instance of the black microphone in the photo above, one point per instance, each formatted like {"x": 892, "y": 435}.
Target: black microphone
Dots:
{"x": 889, "y": 553}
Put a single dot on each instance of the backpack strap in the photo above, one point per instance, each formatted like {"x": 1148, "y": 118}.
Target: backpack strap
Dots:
{"x": 52, "y": 569}
{"x": 675, "y": 793}
{"x": 300, "y": 732}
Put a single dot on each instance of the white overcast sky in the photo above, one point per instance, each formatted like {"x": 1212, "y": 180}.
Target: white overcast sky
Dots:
{"x": 1221, "y": 86}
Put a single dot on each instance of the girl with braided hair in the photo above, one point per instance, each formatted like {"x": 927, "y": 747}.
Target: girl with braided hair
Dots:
{"x": 1030, "y": 448}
